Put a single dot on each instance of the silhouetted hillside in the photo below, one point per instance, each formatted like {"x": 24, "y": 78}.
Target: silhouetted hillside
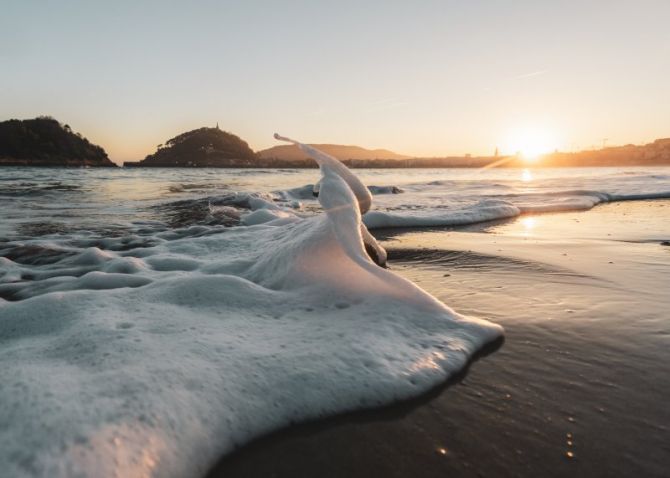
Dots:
{"x": 656, "y": 153}
{"x": 341, "y": 152}
{"x": 651, "y": 154}
{"x": 44, "y": 141}
{"x": 201, "y": 148}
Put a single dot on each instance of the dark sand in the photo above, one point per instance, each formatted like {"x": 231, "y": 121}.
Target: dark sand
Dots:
{"x": 580, "y": 386}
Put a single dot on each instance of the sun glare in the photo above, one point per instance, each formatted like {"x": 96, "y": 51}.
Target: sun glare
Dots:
{"x": 528, "y": 223}
{"x": 532, "y": 142}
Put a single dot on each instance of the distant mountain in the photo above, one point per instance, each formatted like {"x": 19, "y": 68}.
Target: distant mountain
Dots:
{"x": 342, "y": 152}
{"x": 44, "y": 141}
{"x": 656, "y": 153}
{"x": 201, "y": 148}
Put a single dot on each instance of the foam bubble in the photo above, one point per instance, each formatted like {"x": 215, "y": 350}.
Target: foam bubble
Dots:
{"x": 155, "y": 361}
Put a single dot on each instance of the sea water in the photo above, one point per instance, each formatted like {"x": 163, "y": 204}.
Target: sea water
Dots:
{"x": 154, "y": 319}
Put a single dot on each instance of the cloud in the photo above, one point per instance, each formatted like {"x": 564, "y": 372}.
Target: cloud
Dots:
{"x": 532, "y": 74}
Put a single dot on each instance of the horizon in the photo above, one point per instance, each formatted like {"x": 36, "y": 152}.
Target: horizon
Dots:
{"x": 528, "y": 159}
{"x": 424, "y": 81}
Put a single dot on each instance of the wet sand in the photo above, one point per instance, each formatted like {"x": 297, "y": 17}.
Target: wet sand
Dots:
{"x": 578, "y": 388}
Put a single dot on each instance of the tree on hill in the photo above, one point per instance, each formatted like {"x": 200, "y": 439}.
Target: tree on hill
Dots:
{"x": 43, "y": 141}
{"x": 203, "y": 147}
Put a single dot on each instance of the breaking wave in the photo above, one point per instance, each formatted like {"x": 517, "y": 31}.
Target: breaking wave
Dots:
{"x": 155, "y": 352}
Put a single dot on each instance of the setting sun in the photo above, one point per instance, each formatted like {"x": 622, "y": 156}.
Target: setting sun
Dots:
{"x": 531, "y": 142}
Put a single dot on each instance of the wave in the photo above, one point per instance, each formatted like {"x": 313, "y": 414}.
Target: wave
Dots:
{"x": 310, "y": 191}
{"x": 156, "y": 355}
{"x": 31, "y": 189}
{"x": 243, "y": 208}
{"x": 459, "y": 202}
{"x": 486, "y": 210}
{"x": 493, "y": 209}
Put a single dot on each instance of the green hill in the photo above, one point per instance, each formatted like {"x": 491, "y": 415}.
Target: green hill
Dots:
{"x": 44, "y": 141}
{"x": 201, "y": 148}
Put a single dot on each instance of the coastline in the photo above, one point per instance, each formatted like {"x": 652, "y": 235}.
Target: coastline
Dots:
{"x": 577, "y": 388}
{"x": 21, "y": 163}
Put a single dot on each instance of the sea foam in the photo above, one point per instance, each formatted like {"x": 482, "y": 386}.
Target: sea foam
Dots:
{"x": 155, "y": 359}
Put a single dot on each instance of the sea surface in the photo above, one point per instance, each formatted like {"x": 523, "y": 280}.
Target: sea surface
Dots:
{"x": 85, "y": 203}
{"x": 153, "y": 320}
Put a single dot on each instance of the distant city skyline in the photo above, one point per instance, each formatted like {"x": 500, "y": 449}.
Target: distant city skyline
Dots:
{"x": 429, "y": 79}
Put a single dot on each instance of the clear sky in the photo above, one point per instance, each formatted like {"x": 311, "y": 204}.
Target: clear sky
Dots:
{"x": 423, "y": 78}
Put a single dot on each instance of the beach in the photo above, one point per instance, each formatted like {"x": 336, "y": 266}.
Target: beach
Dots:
{"x": 156, "y": 325}
{"x": 578, "y": 387}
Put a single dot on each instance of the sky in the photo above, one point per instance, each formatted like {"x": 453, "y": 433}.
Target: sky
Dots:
{"x": 423, "y": 78}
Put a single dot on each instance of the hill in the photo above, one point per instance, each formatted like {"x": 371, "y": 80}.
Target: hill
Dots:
{"x": 656, "y": 153}
{"x": 342, "y": 152}
{"x": 44, "y": 141}
{"x": 201, "y": 148}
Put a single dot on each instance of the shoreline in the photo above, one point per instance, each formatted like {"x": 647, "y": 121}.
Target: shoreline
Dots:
{"x": 18, "y": 163}
{"x": 580, "y": 293}
{"x": 577, "y": 388}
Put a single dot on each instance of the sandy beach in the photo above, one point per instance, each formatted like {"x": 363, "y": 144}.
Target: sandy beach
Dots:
{"x": 578, "y": 388}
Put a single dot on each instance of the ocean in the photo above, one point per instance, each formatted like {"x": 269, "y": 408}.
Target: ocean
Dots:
{"x": 72, "y": 204}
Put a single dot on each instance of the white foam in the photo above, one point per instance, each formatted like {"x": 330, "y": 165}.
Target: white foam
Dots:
{"x": 210, "y": 338}
{"x": 261, "y": 216}
{"x": 433, "y": 205}
{"x": 329, "y": 163}
{"x": 451, "y": 217}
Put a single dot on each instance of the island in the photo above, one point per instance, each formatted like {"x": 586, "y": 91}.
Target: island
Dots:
{"x": 200, "y": 148}
{"x": 43, "y": 141}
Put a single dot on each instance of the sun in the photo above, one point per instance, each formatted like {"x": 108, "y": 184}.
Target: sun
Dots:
{"x": 531, "y": 142}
